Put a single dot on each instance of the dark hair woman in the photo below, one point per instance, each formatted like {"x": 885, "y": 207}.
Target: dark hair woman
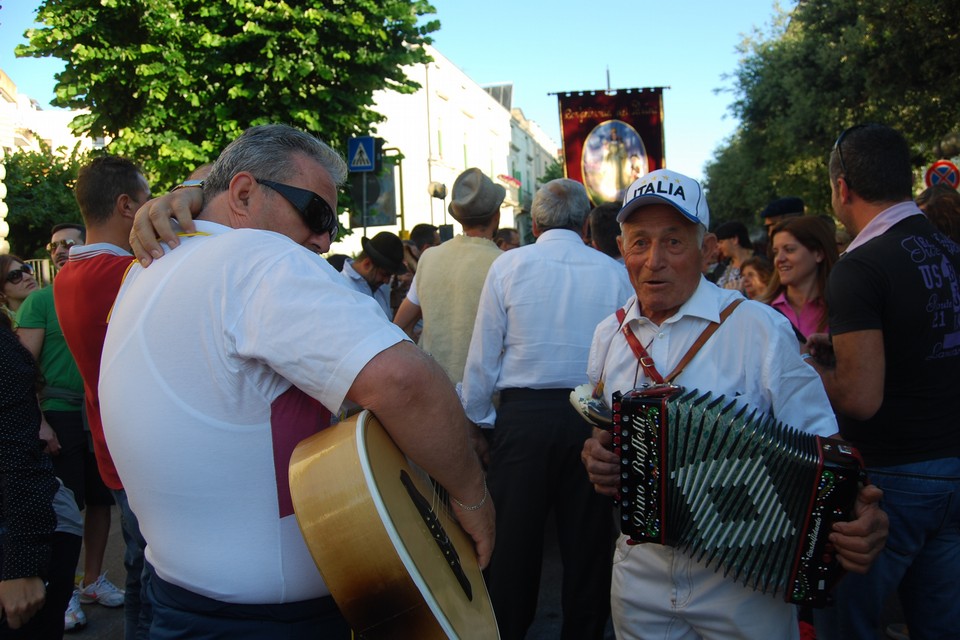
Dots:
{"x": 804, "y": 252}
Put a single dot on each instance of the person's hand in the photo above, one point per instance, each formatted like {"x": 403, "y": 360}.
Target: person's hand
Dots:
{"x": 858, "y": 542}
{"x": 20, "y": 599}
{"x": 153, "y": 222}
{"x": 480, "y": 524}
{"x": 601, "y": 463}
{"x": 48, "y": 435}
{"x": 820, "y": 347}
{"x": 480, "y": 445}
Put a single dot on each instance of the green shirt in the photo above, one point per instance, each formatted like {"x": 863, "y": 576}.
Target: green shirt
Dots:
{"x": 56, "y": 364}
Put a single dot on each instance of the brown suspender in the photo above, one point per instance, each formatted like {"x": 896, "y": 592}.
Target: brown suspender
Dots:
{"x": 647, "y": 362}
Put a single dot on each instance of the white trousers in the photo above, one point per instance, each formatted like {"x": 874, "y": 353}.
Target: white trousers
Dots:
{"x": 659, "y": 593}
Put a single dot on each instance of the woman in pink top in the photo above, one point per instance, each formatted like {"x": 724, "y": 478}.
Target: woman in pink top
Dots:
{"x": 804, "y": 252}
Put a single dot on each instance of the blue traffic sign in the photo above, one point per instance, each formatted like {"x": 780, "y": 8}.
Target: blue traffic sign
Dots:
{"x": 360, "y": 154}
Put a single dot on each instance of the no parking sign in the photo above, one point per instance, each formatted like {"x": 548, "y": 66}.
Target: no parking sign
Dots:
{"x": 943, "y": 172}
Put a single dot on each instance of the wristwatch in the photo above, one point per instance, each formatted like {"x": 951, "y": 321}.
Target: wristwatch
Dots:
{"x": 188, "y": 183}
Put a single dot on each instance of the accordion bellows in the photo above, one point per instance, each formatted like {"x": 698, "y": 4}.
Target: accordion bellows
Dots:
{"x": 739, "y": 491}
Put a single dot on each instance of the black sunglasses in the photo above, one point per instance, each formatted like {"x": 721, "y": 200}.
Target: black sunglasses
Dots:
{"x": 314, "y": 210}
{"x": 838, "y": 145}
{"x": 14, "y": 276}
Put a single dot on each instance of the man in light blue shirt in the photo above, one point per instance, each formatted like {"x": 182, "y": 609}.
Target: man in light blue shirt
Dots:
{"x": 374, "y": 267}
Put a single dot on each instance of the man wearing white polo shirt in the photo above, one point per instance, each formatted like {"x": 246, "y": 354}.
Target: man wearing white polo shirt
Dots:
{"x": 229, "y": 351}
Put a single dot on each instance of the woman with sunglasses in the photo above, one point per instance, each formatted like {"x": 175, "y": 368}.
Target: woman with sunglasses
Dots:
{"x": 18, "y": 282}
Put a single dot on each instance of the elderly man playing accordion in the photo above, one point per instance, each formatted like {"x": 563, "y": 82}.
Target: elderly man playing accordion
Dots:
{"x": 660, "y": 591}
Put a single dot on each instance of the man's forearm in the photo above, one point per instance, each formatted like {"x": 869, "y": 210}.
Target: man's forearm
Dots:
{"x": 415, "y": 401}
{"x": 855, "y": 384}
{"x": 407, "y": 316}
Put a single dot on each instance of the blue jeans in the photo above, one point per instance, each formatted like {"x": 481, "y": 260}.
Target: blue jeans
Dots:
{"x": 137, "y": 612}
{"x": 921, "y": 559}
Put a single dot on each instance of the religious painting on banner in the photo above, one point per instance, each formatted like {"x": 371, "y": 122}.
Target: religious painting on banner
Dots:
{"x": 611, "y": 138}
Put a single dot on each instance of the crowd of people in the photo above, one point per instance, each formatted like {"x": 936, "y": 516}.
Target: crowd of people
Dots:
{"x": 175, "y": 383}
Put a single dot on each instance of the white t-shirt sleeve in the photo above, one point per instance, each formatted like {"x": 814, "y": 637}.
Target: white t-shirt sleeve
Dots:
{"x": 412, "y": 292}
{"x": 304, "y": 322}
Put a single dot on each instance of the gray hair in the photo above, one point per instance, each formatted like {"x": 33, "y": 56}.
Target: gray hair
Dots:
{"x": 267, "y": 151}
{"x": 560, "y": 204}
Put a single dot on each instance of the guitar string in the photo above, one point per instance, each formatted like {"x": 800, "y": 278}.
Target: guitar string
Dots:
{"x": 438, "y": 497}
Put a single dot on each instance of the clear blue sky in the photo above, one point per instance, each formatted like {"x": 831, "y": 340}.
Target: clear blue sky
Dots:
{"x": 547, "y": 47}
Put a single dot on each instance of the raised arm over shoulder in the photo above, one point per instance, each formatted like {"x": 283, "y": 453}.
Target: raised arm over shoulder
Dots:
{"x": 153, "y": 222}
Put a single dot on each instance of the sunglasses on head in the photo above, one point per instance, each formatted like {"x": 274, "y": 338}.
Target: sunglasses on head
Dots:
{"x": 66, "y": 244}
{"x": 314, "y": 210}
{"x": 838, "y": 145}
{"x": 14, "y": 276}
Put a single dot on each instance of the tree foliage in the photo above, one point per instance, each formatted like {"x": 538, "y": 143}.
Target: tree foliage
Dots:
{"x": 552, "y": 171}
{"x": 173, "y": 81}
{"x": 823, "y": 66}
{"x": 40, "y": 195}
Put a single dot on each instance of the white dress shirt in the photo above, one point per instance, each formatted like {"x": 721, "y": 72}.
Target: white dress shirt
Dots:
{"x": 538, "y": 310}
{"x": 358, "y": 283}
{"x": 752, "y": 356}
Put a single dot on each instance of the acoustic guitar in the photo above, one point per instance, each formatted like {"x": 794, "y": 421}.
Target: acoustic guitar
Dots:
{"x": 395, "y": 560}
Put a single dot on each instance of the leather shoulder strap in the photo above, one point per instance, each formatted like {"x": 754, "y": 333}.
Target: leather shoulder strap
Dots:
{"x": 707, "y": 333}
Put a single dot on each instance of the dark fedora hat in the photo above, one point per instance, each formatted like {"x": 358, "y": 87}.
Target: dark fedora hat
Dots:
{"x": 386, "y": 251}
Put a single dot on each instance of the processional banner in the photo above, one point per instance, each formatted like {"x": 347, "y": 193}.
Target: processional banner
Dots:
{"x": 611, "y": 138}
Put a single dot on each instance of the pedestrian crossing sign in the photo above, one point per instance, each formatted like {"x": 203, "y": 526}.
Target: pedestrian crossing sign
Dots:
{"x": 360, "y": 154}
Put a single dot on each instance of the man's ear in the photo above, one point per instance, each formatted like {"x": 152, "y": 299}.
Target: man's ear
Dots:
{"x": 843, "y": 190}
{"x": 709, "y": 243}
{"x": 127, "y": 206}
{"x": 239, "y": 194}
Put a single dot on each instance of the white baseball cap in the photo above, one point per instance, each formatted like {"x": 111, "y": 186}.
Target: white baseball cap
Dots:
{"x": 667, "y": 187}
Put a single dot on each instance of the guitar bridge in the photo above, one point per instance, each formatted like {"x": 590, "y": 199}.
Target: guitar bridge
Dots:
{"x": 439, "y": 534}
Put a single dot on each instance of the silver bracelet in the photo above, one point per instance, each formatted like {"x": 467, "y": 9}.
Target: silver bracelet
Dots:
{"x": 188, "y": 183}
{"x": 474, "y": 507}
{"x": 805, "y": 356}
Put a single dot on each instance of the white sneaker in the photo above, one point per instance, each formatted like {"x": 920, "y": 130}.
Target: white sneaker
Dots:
{"x": 73, "y": 618}
{"x": 102, "y": 592}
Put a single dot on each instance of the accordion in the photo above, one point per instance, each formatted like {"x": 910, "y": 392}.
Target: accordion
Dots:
{"x": 736, "y": 489}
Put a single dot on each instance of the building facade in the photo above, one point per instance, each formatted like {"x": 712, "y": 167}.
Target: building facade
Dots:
{"x": 451, "y": 124}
